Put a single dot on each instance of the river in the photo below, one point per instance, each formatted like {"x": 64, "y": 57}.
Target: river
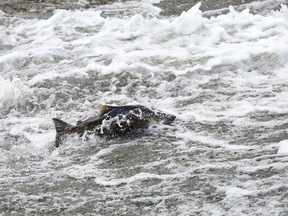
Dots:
{"x": 221, "y": 70}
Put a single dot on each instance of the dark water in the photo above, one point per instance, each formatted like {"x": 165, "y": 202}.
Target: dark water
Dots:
{"x": 45, "y": 8}
{"x": 214, "y": 7}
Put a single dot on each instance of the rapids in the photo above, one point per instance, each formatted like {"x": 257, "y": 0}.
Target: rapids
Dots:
{"x": 224, "y": 74}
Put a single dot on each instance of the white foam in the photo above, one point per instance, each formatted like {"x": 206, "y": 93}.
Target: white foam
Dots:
{"x": 236, "y": 192}
{"x": 135, "y": 178}
{"x": 12, "y": 92}
{"x": 283, "y": 147}
{"x": 189, "y": 22}
{"x": 206, "y": 139}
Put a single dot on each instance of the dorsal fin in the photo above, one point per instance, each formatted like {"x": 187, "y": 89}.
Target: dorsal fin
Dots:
{"x": 103, "y": 109}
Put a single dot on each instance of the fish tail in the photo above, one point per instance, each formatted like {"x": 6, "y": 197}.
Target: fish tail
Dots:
{"x": 60, "y": 130}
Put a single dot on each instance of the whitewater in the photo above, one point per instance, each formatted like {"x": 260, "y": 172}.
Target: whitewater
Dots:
{"x": 224, "y": 77}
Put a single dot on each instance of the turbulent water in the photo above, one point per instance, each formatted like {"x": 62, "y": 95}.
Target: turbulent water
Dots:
{"x": 225, "y": 77}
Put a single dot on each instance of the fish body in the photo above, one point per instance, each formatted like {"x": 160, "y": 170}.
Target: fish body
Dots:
{"x": 113, "y": 121}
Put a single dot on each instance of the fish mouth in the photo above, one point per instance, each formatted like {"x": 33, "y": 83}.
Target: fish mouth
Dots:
{"x": 163, "y": 118}
{"x": 169, "y": 118}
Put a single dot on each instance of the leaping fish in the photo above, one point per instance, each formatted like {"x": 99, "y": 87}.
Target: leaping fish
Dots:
{"x": 113, "y": 121}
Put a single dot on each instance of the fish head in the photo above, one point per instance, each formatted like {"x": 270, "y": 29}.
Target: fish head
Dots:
{"x": 164, "y": 118}
{"x": 154, "y": 115}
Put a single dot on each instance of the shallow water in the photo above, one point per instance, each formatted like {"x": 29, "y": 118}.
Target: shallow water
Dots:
{"x": 222, "y": 73}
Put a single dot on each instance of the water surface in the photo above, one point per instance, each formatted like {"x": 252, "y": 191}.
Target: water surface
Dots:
{"x": 221, "y": 70}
